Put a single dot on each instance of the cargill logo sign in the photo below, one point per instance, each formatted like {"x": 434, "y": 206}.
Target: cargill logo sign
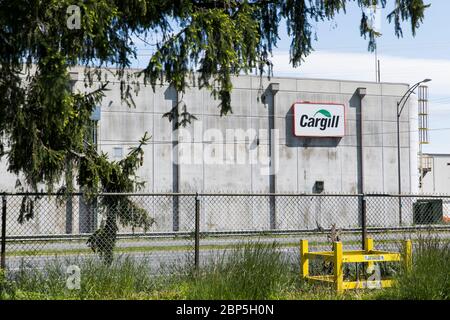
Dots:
{"x": 319, "y": 120}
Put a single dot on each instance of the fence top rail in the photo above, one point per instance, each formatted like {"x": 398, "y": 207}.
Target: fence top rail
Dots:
{"x": 218, "y": 194}
{"x": 278, "y": 194}
{"x": 203, "y": 194}
{"x": 421, "y": 196}
{"x": 78, "y": 194}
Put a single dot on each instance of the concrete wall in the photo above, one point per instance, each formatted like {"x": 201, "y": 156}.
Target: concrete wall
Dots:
{"x": 7, "y": 180}
{"x": 437, "y": 181}
{"x": 302, "y": 161}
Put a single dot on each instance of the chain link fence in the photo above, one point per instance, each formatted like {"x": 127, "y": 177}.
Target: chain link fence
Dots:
{"x": 392, "y": 218}
{"x": 176, "y": 230}
{"x": 40, "y": 229}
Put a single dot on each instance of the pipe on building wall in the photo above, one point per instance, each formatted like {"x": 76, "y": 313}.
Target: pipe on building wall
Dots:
{"x": 273, "y": 89}
{"x": 87, "y": 210}
{"x": 73, "y": 76}
{"x": 175, "y": 164}
{"x": 361, "y": 93}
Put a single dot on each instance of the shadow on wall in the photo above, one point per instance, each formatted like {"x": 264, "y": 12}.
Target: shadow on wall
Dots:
{"x": 170, "y": 94}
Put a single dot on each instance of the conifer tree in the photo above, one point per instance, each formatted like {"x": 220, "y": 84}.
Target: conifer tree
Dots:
{"x": 43, "y": 122}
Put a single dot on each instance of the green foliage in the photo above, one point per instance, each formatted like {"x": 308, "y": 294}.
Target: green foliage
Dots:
{"x": 44, "y": 121}
{"x": 220, "y": 39}
{"x": 124, "y": 278}
{"x": 250, "y": 271}
{"x": 429, "y": 278}
{"x": 99, "y": 175}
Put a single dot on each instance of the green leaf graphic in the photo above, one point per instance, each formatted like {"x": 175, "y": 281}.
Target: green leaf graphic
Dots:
{"x": 325, "y": 113}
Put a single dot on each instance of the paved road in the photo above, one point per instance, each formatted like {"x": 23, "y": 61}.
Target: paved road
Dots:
{"x": 162, "y": 244}
{"x": 162, "y": 263}
{"x": 163, "y": 254}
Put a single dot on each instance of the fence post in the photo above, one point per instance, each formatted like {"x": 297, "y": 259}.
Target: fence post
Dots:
{"x": 69, "y": 215}
{"x": 273, "y": 213}
{"x": 3, "y": 235}
{"x": 197, "y": 232}
{"x": 364, "y": 222}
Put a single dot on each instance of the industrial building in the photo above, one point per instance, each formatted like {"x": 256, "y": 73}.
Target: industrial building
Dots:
{"x": 285, "y": 135}
{"x": 260, "y": 105}
{"x": 436, "y": 174}
{"x": 204, "y": 157}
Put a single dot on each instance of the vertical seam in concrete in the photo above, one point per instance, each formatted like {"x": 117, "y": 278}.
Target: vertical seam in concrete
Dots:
{"x": 175, "y": 163}
{"x": 202, "y": 162}
{"x": 380, "y": 97}
{"x": 297, "y": 149}
{"x": 175, "y": 142}
{"x": 251, "y": 164}
{"x": 382, "y": 138}
{"x": 434, "y": 175}
{"x": 338, "y": 147}
{"x": 272, "y": 173}
{"x": 341, "y": 165}
{"x": 409, "y": 148}
{"x": 298, "y": 169}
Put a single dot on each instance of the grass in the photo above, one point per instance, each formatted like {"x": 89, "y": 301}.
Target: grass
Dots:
{"x": 429, "y": 277}
{"x": 124, "y": 279}
{"x": 257, "y": 272}
{"x": 251, "y": 271}
{"x": 247, "y": 271}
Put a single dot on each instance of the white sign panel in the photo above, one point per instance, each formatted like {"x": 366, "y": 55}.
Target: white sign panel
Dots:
{"x": 319, "y": 120}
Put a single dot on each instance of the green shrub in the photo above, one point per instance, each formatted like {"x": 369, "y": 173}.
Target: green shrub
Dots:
{"x": 123, "y": 279}
{"x": 429, "y": 277}
{"x": 250, "y": 271}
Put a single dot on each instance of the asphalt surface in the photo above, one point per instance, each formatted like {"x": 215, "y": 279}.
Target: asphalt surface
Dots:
{"x": 152, "y": 244}
{"x": 166, "y": 255}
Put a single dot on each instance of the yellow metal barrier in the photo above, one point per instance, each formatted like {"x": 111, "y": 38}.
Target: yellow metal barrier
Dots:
{"x": 339, "y": 257}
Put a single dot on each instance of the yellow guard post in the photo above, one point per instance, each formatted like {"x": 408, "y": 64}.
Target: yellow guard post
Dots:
{"x": 338, "y": 256}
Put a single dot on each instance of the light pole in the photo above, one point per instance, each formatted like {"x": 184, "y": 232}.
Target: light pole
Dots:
{"x": 402, "y": 103}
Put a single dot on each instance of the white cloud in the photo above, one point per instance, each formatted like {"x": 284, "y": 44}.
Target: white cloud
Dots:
{"x": 361, "y": 66}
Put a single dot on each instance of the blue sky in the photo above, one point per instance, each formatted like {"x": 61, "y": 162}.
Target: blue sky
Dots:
{"x": 341, "y": 53}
